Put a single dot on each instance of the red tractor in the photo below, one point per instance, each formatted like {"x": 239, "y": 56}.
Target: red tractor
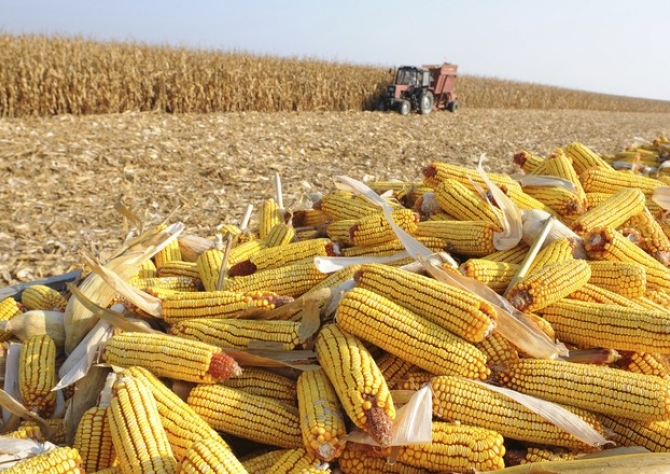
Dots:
{"x": 424, "y": 89}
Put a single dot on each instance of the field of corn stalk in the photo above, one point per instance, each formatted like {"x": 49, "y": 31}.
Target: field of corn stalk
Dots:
{"x": 43, "y": 75}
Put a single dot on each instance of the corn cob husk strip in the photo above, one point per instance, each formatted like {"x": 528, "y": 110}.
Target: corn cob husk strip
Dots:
{"x": 495, "y": 275}
{"x": 527, "y": 161}
{"x": 37, "y": 374}
{"x": 209, "y": 456}
{"x": 602, "y": 180}
{"x": 238, "y": 333}
{"x": 179, "y": 268}
{"x": 652, "y": 435}
{"x": 290, "y": 280}
{"x": 159, "y": 285}
{"x": 458, "y": 311}
{"x": 60, "y": 460}
{"x": 253, "y": 417}
{"x": 461, "y": 400}
{"x": 613, "y": 212}
{"x": 457, "y": 448}
{"x": 589, "y": 324}
{"x": 265, "y": 383}
{"x": 497, "y": 350}
{"x": 375, "y": 229}
{"x": 606, "y": 390}
{"x": 178, "y": 307}
{"x": 140, "y": 441}
{"x": 472, "y": 238}
{"x": 43, "y": 297}
{"x": 594, "y": 294}
{"x": 437, "y": 172}
{"x": 583, "y": 157}
{"x": 516, "y": 254}
{"x": 261, "y": 463}
{"x": 627, "y": 279}
{"x": 170, "y": 356}
{"x": 465, "y": 205}
{"x": 563, "y": 202}
{"x": 549, "y": 285}
{"x": 281, "y": 234}
{"x": 182, "y": 424}
{"x": 321, "y": 419}
{"x": 93, "y": 439}
{"x": 605, "y": 243}
{"x": 648, "y": 363}
{"x": 297, "y": 461}
{"x": 36, "y": 322}
{"x": 382, "y": 322}
{"x": 653, "y": 239}
{"x": 270, "y": 215}
{"x": 358, "y": 382}
{"x": 393, "y": 368}
{"x": 274, "y": 257}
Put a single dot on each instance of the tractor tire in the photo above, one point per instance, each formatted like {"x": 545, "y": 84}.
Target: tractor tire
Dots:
{"x": 426, "y": 103}
{"x": 452, "y": 106}
{"x": 382, "y": 104}
{"x": 404, "y": 107}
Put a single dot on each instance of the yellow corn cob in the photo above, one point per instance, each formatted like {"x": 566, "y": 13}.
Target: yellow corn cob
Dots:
{"x": 259, "y": 463}
{"x": 498, "y": 350}
{"x": 526, "y": 202}
{"x": 549, "y": 284}
{"x": 335, "y": 279}
{"x": 37, "y": 374}
{"x": 253, "y": 417}
{"x": 139, "y": 438}
{"x": 215, "y": 304}
{"x": 414, "y": 379}
{"x": 309, "y": 218}
{"x": 8, "y": 309}
{"x": 182, "y": 424}
{"x": 459, "y": 311}
{"x": 605, "y": 243}
{"x": 358, "y": 382}
{"x": 583, "y": 157}
{"x": 170, "y": 253}
{"x": 179, "y": 268}
{"x": 365, "y": 459}
{"x": 392, "y": 247}
{"x": 270, "y": 215}
{"x": 652, "y": 435}
{"x": 527, "y": 161}
{"x": 392, "y": 367}
{"x": 602, "y": 180}
{"x": 170, "y": 356}
{"x": 564, "y": 203}
{"x": 243, "y": 251}
{"x": 258, "y": 381}
{"x": 596, "y": 199}
{"x": 595, "y": 294}
{"x": 341, "y": 205}
{"x": 602, "y": 325}
{"x": 290, "y": 280}
{"x": 627, "y": 279}
{"x": 658, "y": 297}
{"x": 596, "y": 388}
{"x": 43, "y": 297}
{"x": 467, "y": 402}
{"x": 647, "y": 363}
{"x": 613, "y": 212}
{"x": 61, "y": 460}
{"x": 297, "y": 461}
{"x": 557, "y": 251}
{"x": 93, "y": 439}
{"x": 534, "y": 454}
{"x": 382, "y": 322}
{"x": 495, "y": 275}
{"x": 456, "y": 199}
{"x": 209, "y": 265}
{"x": 338, "y": 231}
{"x": 648, "y": 303}
{"x": 457, "y": 448}
{"x": 375, "y": 229}
{"x": 514, "y": 255}
{"x": 274, "y": 257}
{"x": 280, "y": 234}
{"x": 437, "y": 172}
{"x": 560, "y": 165}
{"x": 238, "y": 333}
{"x": 209, "y": 456}
{"x": 472, "y": 238}
{"x": 147, "y": 269}
{"x": 321, "y": 419}
{"x": 163, "y": 285}
{"x": 654, "y": 241}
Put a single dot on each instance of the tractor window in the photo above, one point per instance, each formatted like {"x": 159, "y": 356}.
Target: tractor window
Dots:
{"x": 406, "y": 76}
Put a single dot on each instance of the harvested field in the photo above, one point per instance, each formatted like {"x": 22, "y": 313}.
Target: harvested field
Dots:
{"x": 62, "y": 175}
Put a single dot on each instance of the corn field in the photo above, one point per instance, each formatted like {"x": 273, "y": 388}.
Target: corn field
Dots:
{"x": 50, "y": 75}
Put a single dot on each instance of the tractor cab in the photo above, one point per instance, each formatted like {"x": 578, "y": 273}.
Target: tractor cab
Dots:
{"x": 412, "y": 76}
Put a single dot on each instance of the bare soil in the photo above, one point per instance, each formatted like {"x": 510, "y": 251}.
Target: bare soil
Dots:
{"x": 61, "y": 176}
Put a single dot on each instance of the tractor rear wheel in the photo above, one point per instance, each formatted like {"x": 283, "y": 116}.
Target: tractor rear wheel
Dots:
{"x": 452, "y": 106}
{"x": 426, "y": 103}
{"x": 404, "y": 107}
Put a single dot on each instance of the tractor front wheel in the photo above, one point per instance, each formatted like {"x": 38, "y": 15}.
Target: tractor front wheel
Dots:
{"x": 382, "y": 104}
{"x": 452, "y": 106}
{"x": 426, "y": 104}
{"x": 404, "y": 107}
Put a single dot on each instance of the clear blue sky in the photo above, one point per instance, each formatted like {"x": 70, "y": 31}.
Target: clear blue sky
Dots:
{"x": 610, "y": 46}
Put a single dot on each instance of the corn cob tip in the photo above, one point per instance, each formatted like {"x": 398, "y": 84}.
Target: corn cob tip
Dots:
{"x": 378, "y": 423}
{"x": 223, "y": 366}
{"x": 429, "y": 171}
{"x": 243, "y": 268}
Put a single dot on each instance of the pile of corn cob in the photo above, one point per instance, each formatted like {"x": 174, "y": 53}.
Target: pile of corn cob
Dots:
{"x": 246, "y": 353}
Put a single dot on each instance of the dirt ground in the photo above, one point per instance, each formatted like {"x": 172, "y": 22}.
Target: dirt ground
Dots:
{"x": 60, "y": 177}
